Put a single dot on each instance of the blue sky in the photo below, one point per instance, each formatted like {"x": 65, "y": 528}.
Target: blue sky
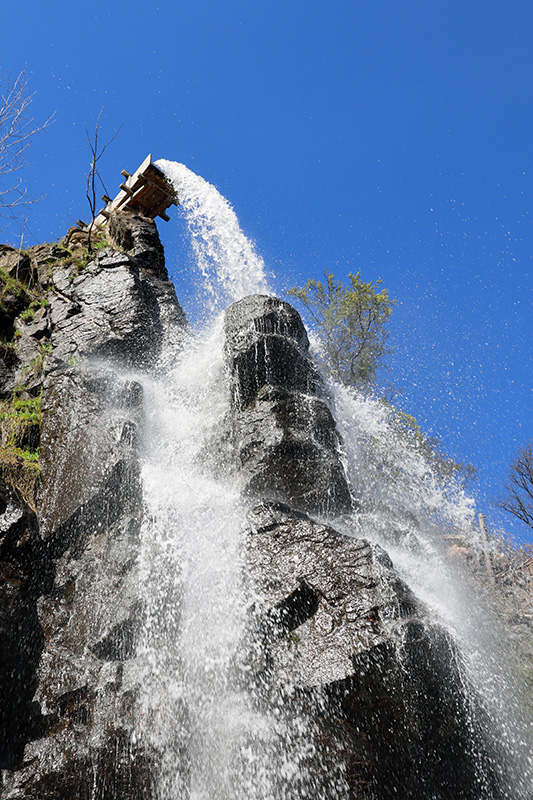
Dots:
{"x": 386, "y": 137}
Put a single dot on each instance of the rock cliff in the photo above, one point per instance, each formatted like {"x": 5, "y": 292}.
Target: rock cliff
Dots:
{"x": 335, "y": 638}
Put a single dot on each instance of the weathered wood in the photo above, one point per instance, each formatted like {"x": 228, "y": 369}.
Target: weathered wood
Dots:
{"x": 147, "y": 191}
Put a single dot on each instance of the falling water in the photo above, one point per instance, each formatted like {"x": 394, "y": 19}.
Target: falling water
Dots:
{"x": 407, "y": 508}
{"x": 201, "y": 717}
{"x": 228, "y": 262}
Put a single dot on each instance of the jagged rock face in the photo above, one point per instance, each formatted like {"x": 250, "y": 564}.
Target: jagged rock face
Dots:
{"x": 88, "y": 418}
{"x": 25, "y": 573}
{"x": 71, "y": 609}
{"x": 117, "y": 307}
{"x": 341, "y": 640}
{"x": 283, "y": 432}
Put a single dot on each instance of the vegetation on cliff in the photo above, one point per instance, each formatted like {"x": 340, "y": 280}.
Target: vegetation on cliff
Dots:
{"x": 25, "y": 286}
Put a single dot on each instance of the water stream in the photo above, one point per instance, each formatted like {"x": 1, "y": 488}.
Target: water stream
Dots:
{"x": 199, "y": 710}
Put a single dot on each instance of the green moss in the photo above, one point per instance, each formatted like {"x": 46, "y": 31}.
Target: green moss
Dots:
{"x": 16, "y": 416}
{"x": 29, "y": 312}
{"x": 12, "y": 286}
{"x": 20, "y": 422}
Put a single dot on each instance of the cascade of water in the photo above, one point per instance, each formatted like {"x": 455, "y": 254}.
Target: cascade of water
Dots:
{"x": 191, "y": 564}
{"x": 200, "y": 708}
{"x": 200, "y": 713}
{"x": 230, "y": 266}
{"x": 408, "y": 510}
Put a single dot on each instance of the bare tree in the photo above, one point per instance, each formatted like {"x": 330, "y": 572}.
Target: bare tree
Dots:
{"x": 17, "y": 130}
{"x": 518, "y": 498}
{"x": 93, "y": 176}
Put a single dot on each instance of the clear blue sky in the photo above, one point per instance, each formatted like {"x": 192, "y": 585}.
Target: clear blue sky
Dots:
{"x": 394, "y": 138}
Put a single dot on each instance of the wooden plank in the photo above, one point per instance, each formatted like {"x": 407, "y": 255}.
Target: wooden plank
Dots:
{"x": 147, "y": 191}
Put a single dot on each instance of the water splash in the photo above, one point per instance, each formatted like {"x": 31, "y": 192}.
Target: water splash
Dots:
{"x": 409, "y": 510}
{"x": 203, "y": 718}
{"x": 230, "y": 266}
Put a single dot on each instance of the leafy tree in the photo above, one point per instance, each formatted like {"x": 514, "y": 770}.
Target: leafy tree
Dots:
{"x": 350, "y": 322}
{"x": 518, "y": 498}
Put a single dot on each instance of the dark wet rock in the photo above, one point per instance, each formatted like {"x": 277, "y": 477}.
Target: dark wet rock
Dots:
{"x": 119, "y": 305}
{"x": 107, "y": 304}
{"x": 283, "y": 432}
{"x": 89, "y": 418}
{"x": 348, "y": 648}
{"x": 360, "y": 601}
{"x": 25, "y": 572}
{"x": 339, "y": 649}
{"x": 70, "y": 609}
{"x": 86, "y": 678}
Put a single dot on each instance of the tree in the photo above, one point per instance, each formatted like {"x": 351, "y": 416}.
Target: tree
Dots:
{"x": 350, "y": 322}
{"x": 17, "y": 130}
{"x": 518, "y": 498}
{"x": 97, "y": 151}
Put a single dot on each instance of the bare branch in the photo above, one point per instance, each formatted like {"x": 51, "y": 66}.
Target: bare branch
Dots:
{"x": 17, "y": 130}
{"x": 93, "y": 175}
{"x": 518, "y": 499}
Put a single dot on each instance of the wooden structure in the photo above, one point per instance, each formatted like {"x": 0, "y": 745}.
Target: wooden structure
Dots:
{"x": 147, "y": 191}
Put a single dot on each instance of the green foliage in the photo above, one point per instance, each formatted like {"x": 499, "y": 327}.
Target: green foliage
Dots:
{"x": 350, "y": 322}
{"x": 29, "y": 312}
{"x": 30, "y": 299}
{"x": 20, "y": 420}
{"x": 79, "y": 256}
{"x": 17, "y": 416}
{"x": 11, "y": 286}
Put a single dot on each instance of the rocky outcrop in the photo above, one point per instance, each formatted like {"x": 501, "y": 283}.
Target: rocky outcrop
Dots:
{"x": 346, "y": 646}
{"x": 337, "y": 639}
{"x": 71, "y": 610}
{"x": 283, "y": 433}
{"x": 108, "y": 303}
{"x": 25, "y": 574}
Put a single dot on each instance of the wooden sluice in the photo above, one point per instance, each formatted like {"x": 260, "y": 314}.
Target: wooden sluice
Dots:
{"x": 147, "y": 191}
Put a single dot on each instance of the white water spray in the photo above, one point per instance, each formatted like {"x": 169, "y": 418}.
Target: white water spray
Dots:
{"x": 409, "y": 510}
{"x": 230, "y": 266}
{"x": 200, "y": 716}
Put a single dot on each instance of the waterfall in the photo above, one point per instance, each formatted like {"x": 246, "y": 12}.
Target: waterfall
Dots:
{"x": 203, "y": 717}
{"x": 200, "y": 710}
{"x": 228, "y": 262}
{"x": 408, "y": 510}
